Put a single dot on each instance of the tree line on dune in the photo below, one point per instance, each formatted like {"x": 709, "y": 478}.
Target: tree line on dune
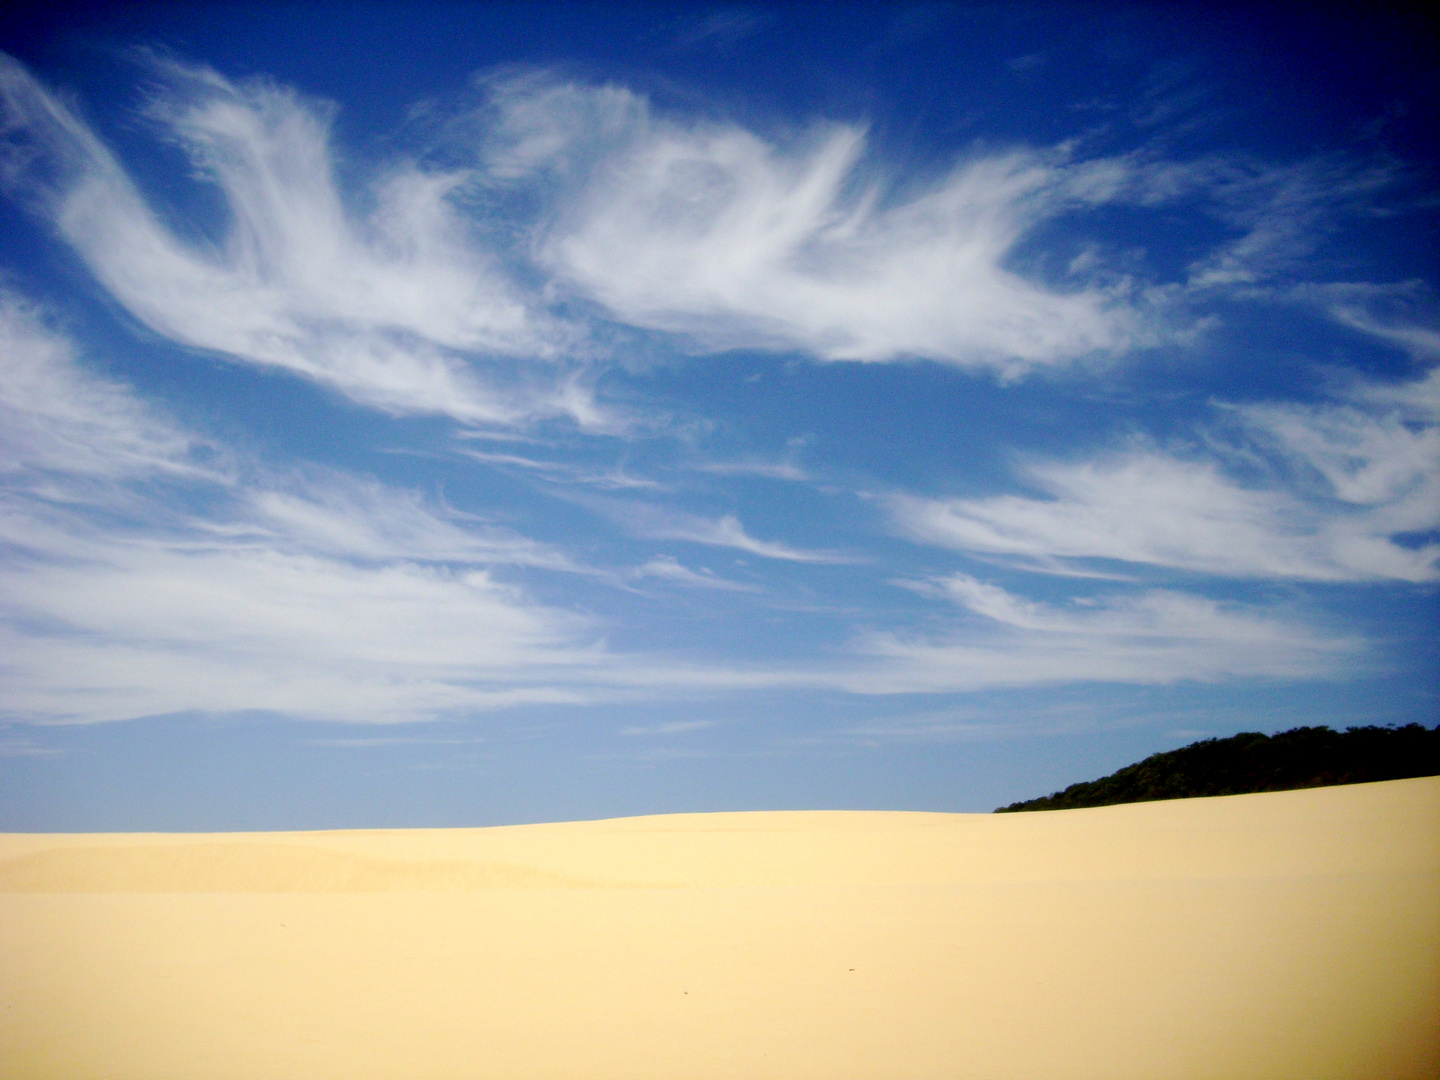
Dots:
{"x": 1302, "y": 757}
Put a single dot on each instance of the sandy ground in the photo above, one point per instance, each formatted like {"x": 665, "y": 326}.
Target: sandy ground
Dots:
{"x": 1289, "y": 935}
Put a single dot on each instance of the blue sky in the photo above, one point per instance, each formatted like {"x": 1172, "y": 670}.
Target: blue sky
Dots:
{"x": 465, "y": 414}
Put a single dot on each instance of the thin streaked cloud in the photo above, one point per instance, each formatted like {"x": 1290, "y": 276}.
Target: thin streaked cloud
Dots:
{"x": 738, "y": 377}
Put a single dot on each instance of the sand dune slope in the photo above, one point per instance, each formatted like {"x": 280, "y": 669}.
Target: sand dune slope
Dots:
{"x": 1288, "y": 935}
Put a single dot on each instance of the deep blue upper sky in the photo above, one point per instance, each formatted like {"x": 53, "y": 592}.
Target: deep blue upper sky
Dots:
{"x": 462, "y": 414}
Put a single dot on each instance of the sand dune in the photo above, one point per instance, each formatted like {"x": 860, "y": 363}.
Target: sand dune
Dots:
{"x": 1292, "y": 935}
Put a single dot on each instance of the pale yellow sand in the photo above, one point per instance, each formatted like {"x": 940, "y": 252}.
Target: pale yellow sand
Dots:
{"x": 1292, "y": 935}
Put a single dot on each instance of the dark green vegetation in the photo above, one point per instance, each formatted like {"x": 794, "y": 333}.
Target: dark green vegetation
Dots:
{"x": 1299, "y": 758}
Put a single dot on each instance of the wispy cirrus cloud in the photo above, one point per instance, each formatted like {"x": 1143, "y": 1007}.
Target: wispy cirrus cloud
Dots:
{"x": 711, "y": 231}
{"x": 330, "y": 595}
{"x": 1404, "y": 313}
{"x": 722, "y": 29}
{"x": 1153, "y": 637}
{"x": 803, "y": 242}
{"x": 770, "y": 470}
{"x": 662, "y": 523}
{"x": 401, "y": 308}
{"x": 1283, "y": 214}
{"x": 996, "y": 639}
{"x": 336, "y": 597}
{"x": 26, "y": 748}
{"x": 675, "y": 727}
{"x": 350, "y": 517}
{"x": 154, "y": 627}
{"x": 320, "y": 592}
{"x": 1352, "y": 493}
{"x": 57, "y": 418}
{"x": 668, "y": 568}
{"x": 407, "y": 296}
{"x": 563, "y": 472}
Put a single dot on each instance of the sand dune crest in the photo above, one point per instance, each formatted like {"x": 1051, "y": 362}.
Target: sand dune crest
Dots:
{"x": 1294, "y": 934}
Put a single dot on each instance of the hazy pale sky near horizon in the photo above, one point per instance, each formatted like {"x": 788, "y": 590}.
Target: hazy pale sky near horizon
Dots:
{"x": 448, "y": 414}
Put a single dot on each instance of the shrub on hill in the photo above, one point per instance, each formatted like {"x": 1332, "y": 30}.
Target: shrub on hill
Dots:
{"x": 1249, "y": 762}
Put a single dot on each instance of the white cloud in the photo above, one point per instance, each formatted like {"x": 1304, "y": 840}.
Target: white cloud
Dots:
{"x": 400, "y": 309}
{"x": 1142, "y": 507}
{"x": 722, "y": 29}
{"x": 25, "y": 747}
{"x": 1362, "y": 475}
{"x": 1388, "y": 463}
{"x": 668, "y": 568}
{"x": 675, "y": 727}
{"x": 333, "y": 596}
{"x": 770, "y": 470}
{"x": 614, "y": 479}
{"x": 1148, "y": 638}
{"x": 325, "y": 594}
{"x": 1403, "y": 313}
{"x": 1412, "y": 403}
{"x": 406, "y": 297}
{"x": 337, "y": 514}
{"x": 657, "y": 523}
{"x": 56, "y": 417}
{"x": 160, "y": 627}
{"x": 373, "y": 742}
{"x": 708, "y": 230}
{"x": 1154, "y": 637}
{"x": 1283, "y": 213}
